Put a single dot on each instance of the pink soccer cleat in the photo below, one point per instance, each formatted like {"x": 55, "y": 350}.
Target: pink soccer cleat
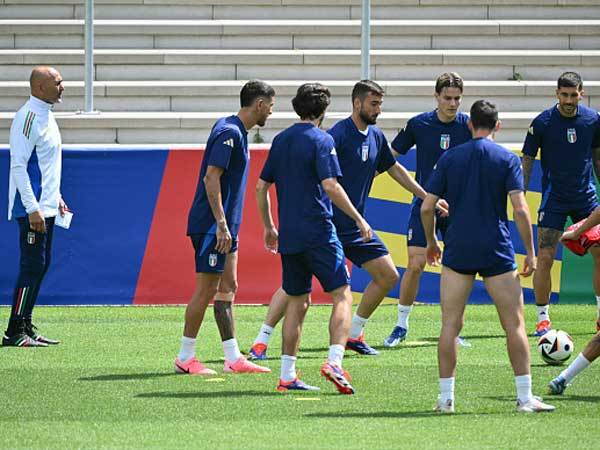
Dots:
{"x": 242, "y": 365}
{"x": 192, "y": 367}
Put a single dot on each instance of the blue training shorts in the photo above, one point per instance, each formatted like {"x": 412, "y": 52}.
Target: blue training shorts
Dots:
{"x": 360, "y": 252}
{"x": 326, "y": 262}
{"x": 497, "y": 269}
{"x": 415, "y": 234}
{"x": 553, "y": 214}
{"x": 208, "y": 260}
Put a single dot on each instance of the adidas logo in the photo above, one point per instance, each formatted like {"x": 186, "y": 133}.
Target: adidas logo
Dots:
{"x": 229, "y": 143}
{"x": 333, "y": 152}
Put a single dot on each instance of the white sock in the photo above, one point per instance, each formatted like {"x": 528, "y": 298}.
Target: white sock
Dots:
{"x": 264, "y": 335}
{"x": 543, "y": 312}
{"x": 575, "y": 368}
{"x": 336, "y": 354}
{"x": 598, "y": 303}
{"x": 188, "y": 349}
{"x": 523, "y": 384}
{"x": 356, "y": 328}
{"x": 446, "y": 389}
{"x": 403, "y": 313}
{"x": 231, "y": 349}
{"x": 288, "y": 368}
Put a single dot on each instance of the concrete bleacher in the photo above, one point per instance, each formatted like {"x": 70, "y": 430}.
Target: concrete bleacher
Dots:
{"x": 166, "y": 69}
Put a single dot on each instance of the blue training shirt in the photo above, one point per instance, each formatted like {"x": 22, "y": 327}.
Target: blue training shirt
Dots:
{"x": 566, "y": 157}
{"x": 475, "y": 178}
{"x": 432, "y": 138}
{"x": 361, "y": 157}
{"x": 300, "y": 158}
{"x": 227, "y": 148}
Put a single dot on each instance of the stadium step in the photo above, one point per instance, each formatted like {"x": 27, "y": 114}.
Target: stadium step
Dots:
{"x": 134, "y": 64}
{"x": 304, "y": 34}
{"x": 302, "y": 9}
{"x": 193, "y": 128}
{"x": 219, "y": 95}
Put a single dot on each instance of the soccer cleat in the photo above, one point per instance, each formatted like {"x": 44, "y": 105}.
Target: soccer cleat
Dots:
{"x": 32, "y": 331}
{"x": 398, "y": 335}
{"x": 242, "y": 365}
{"x": 192, "y": 367}
{"x": 534, "y": 405}
{"x": 339, "y": 377}
{"x": 462, "y": 342}
{"x": 542, "y": 328}
{"x": 258, "y": 352}
{"x": 557, "y": 386}
{"x": 360, "y": 346}
{"x": 446, "y": 407}
{"x": 295, "y": 385}
{"x": 21, "y": 340}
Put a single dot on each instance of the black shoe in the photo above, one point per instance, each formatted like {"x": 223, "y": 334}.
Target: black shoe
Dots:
{"x": 21, "y": 340}
{"x": 31, "y": 331}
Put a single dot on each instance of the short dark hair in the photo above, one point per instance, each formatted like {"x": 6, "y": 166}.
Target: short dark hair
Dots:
{"x": 254, "y": 89}
{"x": 570, "y": 80}
{"x": 448, "y": 80}
{"x": 311, "y": 100}
{"x": 364, "y": 88}
{"x": 484, "y": 115}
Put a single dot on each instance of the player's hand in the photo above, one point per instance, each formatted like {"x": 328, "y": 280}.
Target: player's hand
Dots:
{"x": 433, "y": 254}
{"x": 365, "y": 230}
{"x": 271, "y": 239}
{"x": 224, "y": 239}
{"x": 529, "y": 266}
{"x": 62, "y": 207}
{"x": 37, "y": 222}
{"x": 572, "y": 235}
{"x": 442, "y": 207}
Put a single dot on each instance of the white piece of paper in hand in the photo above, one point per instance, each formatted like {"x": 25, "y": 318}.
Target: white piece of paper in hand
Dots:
{"x": 64, "y": 221}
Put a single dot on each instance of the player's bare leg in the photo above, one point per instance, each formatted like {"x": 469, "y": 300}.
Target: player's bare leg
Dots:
{"x": 595, "y": 252}
{"x": 542, "y": 282}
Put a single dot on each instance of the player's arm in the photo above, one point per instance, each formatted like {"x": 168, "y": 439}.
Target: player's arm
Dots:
{"x": 212, "y": 184}
{"x": 338, "y": 196}
{"x": 21, "y": 148}
{"x": 596, "y": 160}
{"x": 522, "y": 219}
{"x": 527, "y": 162}
{"x": 433, "y": 252}
{"x": 264, "y": 208}
{"x": 591, "y": 221}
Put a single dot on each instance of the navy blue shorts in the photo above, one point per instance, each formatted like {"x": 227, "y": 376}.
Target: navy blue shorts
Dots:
{"x": 415, "y": 234}
{"x": 326, "y": 262}
{"x": 208, "y": 260}
{"x": 554, "y": 215}
{"x": 360, "y": 252}
{"x": 492, "y": 271}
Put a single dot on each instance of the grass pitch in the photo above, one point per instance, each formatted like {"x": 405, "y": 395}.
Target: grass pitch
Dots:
{"x": 111, "y": 385}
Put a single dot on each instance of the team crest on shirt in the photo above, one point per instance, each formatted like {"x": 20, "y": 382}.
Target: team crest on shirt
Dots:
{"x": 445, "y": 141}
{"x": 571, "y": 135}
{"x": 364, "y": 152}
{"x": 212, "y": 259}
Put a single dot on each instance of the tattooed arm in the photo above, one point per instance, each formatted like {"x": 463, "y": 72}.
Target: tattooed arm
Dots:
{"x": 527, "y": 162}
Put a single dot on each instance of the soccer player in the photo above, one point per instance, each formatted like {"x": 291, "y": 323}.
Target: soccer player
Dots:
{"x": 568, "y": 135}
{"x": 307, "y": 238}
{"x": 34, "y": 199}
{"x": 477, "y": 240}
{"x": 363, "y": 153}
{"x": 213, "y": 226}
{"x": 433, "y": 133}
{"x": 592, "y": 350}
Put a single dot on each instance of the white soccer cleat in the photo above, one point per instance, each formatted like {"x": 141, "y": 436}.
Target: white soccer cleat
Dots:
{"x": 446, "y": 407}
{"x": 534, "y": 405}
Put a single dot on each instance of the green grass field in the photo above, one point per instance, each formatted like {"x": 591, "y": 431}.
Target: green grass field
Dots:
{"x": 111, "y": 385}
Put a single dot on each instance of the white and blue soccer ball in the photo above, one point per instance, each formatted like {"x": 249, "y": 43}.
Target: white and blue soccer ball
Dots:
{"x": 555, "y": 347}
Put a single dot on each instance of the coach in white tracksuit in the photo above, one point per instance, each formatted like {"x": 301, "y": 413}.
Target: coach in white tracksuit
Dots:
{"x": 34, "y": 199}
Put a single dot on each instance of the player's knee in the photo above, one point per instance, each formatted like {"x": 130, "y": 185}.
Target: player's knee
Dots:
{"x": 416, "y": 266}
{"x": 228, "y": 287}
{"x": 545, "y": 261}
{"x": 389, "y": 278}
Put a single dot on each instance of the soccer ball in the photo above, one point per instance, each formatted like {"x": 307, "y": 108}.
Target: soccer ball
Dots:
{"x": 555, "y": 347}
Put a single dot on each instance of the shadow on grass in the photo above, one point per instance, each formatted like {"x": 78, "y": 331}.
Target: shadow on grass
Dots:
{"x": 128, "y": 376}
{"x": 468, "y": 337}
{"x": 573, "y": 398}
{"x": 387, "y": 414}
{"x": 213, "y": 394}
